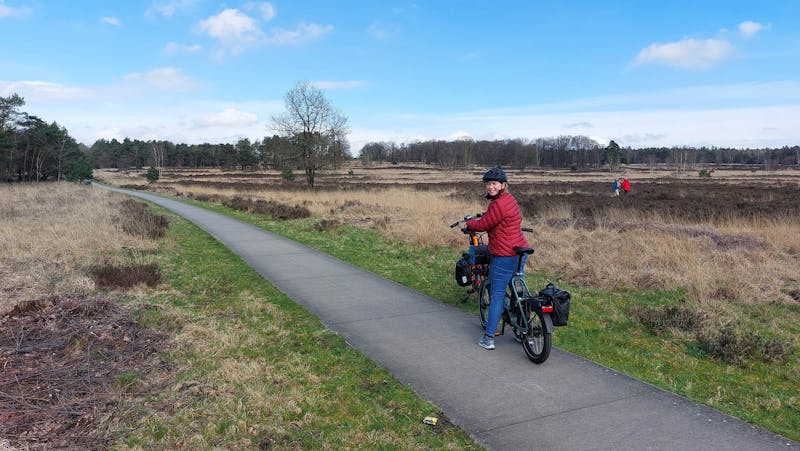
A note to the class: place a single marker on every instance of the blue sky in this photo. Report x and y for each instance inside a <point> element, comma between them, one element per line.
<point>724,73</point>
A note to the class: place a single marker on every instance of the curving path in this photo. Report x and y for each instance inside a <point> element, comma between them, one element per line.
<point>499,397</point>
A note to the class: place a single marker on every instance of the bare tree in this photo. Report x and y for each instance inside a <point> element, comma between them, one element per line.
<point>315,128</point>
<point>158,156</point>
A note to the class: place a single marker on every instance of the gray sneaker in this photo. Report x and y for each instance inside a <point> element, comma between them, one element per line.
<point>486,342</point>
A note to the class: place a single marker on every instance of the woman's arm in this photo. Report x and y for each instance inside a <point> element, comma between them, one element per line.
<point>491,218</point>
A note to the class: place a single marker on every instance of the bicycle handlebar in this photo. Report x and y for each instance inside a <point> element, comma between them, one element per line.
<point>466,218</point>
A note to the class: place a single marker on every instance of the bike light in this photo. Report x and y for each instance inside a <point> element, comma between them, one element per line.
<point>547,309</point>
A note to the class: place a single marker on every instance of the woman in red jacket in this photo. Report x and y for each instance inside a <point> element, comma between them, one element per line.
<point>503,223</point>
<point>626,185</point>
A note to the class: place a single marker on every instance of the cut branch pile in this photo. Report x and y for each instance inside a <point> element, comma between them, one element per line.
<point>65,364</point>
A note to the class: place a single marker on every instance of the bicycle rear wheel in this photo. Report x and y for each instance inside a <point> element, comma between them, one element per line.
<point>537,341</point>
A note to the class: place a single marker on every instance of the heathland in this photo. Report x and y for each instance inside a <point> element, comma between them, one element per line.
<point>689,282</point>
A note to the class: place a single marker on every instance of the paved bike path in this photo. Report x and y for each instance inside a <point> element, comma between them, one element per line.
<point>499,397</point>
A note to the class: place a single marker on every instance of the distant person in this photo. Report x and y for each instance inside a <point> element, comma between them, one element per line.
<point>503,223</point>
<point>626,185</point>
<point>615,187</point>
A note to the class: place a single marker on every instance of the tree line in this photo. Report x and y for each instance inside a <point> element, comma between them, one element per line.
<point>33,150</point>
<point>312,135</point>
<point>569,152</point>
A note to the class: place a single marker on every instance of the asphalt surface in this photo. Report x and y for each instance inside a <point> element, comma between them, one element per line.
<point>499,397</point>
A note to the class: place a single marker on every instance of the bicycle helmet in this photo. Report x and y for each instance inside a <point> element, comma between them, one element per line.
<point>495,174</point>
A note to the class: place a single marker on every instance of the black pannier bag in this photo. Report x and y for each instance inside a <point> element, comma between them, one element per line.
<point>560,300</point>
<point>463,272</point>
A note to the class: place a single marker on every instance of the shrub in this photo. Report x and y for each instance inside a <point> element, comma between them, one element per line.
<point>736,345</point>
<point>111,276</point>
<point>287,174</point>
<point>658,320</point>
<point>327,224</point>
<point>152,174</point>
<point>705,173</point>
<point>137,220</point>
<point>267,207</point>
<point>79,169</point>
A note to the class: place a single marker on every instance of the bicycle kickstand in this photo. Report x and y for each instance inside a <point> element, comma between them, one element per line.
<point>466,296</point>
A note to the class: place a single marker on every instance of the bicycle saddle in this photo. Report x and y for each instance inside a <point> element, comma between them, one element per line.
<point>523,250</point>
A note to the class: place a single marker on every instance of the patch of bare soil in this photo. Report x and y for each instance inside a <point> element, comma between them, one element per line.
<point>65,365</point>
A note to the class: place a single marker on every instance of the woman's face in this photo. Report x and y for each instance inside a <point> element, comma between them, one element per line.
<point>493,187</point>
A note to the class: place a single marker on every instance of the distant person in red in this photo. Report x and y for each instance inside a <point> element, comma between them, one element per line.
<point>626,185</point>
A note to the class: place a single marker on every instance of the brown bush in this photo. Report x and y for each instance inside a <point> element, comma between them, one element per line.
<point>737,345</point>
<point>270,208</point>
<point>112,277</point>
<point>134,187</point>
<point>137,220</point>
<point>327,224</point>
<point>659,320</point>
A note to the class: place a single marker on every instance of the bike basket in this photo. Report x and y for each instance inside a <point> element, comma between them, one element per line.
<point>479,254</point>
<point>560,300</point>
<point>463,273</point>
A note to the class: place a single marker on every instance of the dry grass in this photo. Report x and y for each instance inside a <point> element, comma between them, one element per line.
<point>49,235</point>
<point>729,259</point>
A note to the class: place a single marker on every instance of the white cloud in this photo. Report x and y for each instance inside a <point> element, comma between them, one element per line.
<point>10,11</point>
<point>111,20</point>
<point>303,33</point>
<point>173,47</point>
<point>44,91</point>
<point>687,53</point>
<point>459,135</point>
<point>342,84</point>
<point>380,31</point>
<point>265,9</point>
<point>229,117</point>
<point>165,78</point>
<point>575,125</point>
<point>748,29</point>
<point>168,8</point>
<point>234,30</point>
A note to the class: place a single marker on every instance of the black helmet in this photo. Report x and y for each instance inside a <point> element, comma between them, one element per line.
<point>495,174</point>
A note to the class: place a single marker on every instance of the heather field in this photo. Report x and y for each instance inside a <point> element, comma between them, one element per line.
<point>731,237</point>
<point>689,282</point>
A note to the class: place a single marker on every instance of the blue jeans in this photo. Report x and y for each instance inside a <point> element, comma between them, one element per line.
<point>500,274</point>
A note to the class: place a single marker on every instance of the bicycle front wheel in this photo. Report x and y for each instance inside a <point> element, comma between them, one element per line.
<point>483,302</point>
<point>537,341</point>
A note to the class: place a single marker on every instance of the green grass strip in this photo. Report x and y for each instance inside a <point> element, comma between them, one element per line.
<point>252,369</point>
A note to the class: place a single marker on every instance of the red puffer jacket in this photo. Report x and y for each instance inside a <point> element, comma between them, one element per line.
<point>503,223</point>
